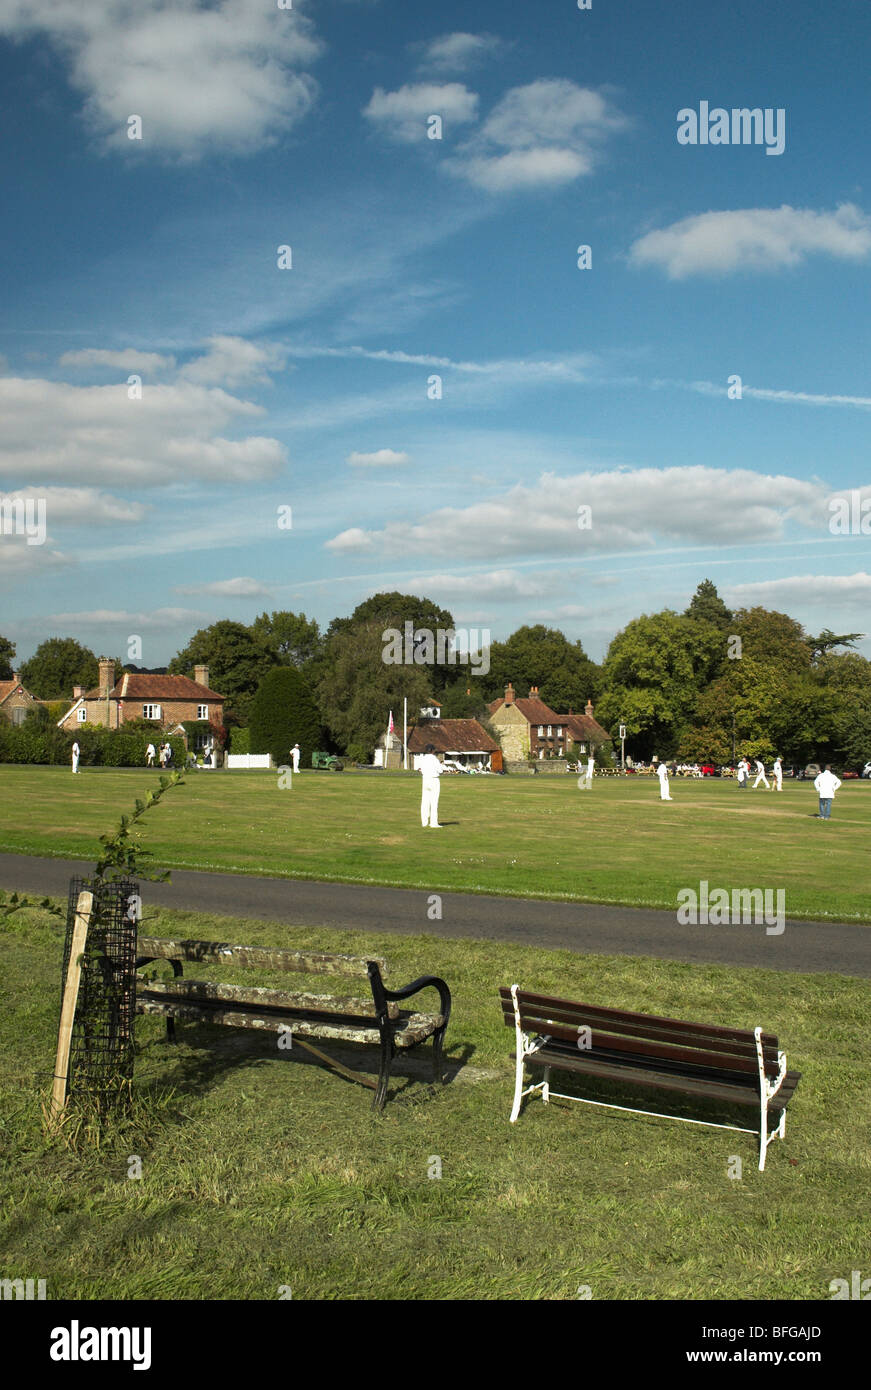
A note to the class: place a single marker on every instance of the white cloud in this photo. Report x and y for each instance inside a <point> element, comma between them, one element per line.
<point>81,506</point>
<point>630,510</point>
<point>544,134</point>
<point>129,360</point>
<point>457,52</point>
<point>123,621</point>
<point>96,434</point>
<point>353,539</point>
<point>382,458</point>
<point>226,588</point>
<point>402,115</point>
<point>218,77</point>
<point>713,243</point>
<point>808,589</point>
<point>233,362</point>
<point>499,586</point>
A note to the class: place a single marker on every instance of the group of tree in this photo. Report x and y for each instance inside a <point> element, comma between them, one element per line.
<point>707,683</point>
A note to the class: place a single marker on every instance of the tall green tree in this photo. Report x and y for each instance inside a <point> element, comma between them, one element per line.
<point>653,674</point>
<point>7,657</point>
<point>545,657</point>
<point>358,689</point>
<point>237,661</point>
<point>294,638</point>
<point>56,666</point>
<point>706,606</point>
<point>282,713</point>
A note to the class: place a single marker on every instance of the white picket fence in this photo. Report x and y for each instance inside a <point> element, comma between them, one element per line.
<point>250,760</point>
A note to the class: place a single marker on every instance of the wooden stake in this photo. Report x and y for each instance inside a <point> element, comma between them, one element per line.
<point>84,907</point>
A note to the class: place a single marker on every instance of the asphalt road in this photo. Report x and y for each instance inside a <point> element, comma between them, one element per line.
<point>813,947</point>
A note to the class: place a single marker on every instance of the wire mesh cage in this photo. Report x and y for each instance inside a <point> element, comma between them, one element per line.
<point>101,1050</point>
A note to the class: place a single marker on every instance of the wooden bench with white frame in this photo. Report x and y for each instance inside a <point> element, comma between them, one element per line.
<point>732,1066</point>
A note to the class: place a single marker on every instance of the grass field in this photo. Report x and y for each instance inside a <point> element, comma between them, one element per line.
<point>261,1170</point>
<point>537,837</point>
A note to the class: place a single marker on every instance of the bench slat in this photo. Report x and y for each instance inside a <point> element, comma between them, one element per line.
<point>194,990</point>
<point>272,958</point>
<point>621,1015</point>
<point>409,1029</point>
<point>734,1092</point>
<point>660,1051</point>
<point>538,1018</point>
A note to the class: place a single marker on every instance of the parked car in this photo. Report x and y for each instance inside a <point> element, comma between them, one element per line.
<point>708,770</point>
<point>846,775</point>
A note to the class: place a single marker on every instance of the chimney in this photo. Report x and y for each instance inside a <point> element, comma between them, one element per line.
<point>201,675</point>
<point>588,709</point>
<point>509,694</point>
<point>107,674</point>
<point>78,692</point>
<point>533,692</point>
<point>15,677</point>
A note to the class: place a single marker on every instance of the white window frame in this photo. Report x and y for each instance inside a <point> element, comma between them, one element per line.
<point>202,711</point>
<point>82,714</point>
<point>151,712</point>
<point>550,731</point>
<point>541,731</point>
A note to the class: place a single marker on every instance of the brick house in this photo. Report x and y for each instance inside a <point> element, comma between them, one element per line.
<point>16,702</point>
<point>168,700</point>
<point>530,726</point>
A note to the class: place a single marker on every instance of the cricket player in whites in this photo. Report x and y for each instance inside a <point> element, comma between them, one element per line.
<point>760,775</point>
<point>777,774</point>
<point>664,791</point>
<point>431,770</point>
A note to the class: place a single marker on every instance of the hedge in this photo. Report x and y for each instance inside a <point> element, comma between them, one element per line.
<point>97,747</point>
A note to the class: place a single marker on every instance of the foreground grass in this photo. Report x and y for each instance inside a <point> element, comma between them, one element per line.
<point>261,1170</point>
<point>536,837</point>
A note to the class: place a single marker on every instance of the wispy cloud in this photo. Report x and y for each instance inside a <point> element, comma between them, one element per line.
<point>381,458</point>
<point>457,52</point>
<point>403,115</point>
<point>241,587</point>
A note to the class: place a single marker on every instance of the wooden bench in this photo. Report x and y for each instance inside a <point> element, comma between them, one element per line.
<point>376,1020</point>
<point>733,1066</point>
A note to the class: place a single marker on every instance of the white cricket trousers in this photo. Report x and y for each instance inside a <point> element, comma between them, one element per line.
<point>664,793</point>
<point>429,801</point>
<point>761,778</point>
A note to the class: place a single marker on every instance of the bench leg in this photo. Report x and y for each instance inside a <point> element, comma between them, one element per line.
<point>545,1090</point>
<point>384,1075</point>
<point>438,1073</point>
<point>177,971</point>
<point>518,1083</point>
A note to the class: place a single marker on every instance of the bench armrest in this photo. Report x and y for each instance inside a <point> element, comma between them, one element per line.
<point>425,982</point>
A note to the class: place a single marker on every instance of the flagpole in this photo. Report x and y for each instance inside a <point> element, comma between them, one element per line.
<point>405,732</point>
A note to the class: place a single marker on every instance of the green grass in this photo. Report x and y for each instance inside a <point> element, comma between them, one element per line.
<point>261,1169</point>
<point>536,837</point>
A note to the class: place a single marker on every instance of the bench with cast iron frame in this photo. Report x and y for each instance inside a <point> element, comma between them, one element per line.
<point>732,1066</point>
<point>376,1020</point>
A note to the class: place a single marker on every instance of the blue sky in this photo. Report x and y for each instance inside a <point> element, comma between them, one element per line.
<point>307,387</point>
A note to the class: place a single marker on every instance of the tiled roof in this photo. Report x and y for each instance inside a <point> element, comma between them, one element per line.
<point>451,736</point>
<point>534,711</point>
<point>166,688</point>
<point>583,727</point>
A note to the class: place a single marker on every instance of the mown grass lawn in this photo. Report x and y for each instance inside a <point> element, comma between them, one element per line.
<point>537,837</point>
<point>261,1169</point>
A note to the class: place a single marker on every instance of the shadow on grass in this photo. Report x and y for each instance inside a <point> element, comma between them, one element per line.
<point>199,1060</point>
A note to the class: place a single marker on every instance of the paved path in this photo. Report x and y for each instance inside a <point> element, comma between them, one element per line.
<point>842,948</point>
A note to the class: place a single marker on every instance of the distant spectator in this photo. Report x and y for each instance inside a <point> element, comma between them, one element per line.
<point>150,755</point>
<point>76,757</point>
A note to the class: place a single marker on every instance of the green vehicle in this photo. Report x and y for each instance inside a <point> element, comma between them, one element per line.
<point>327,761</point>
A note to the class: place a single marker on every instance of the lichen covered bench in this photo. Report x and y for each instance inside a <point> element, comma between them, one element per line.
<point>295,1016</point>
